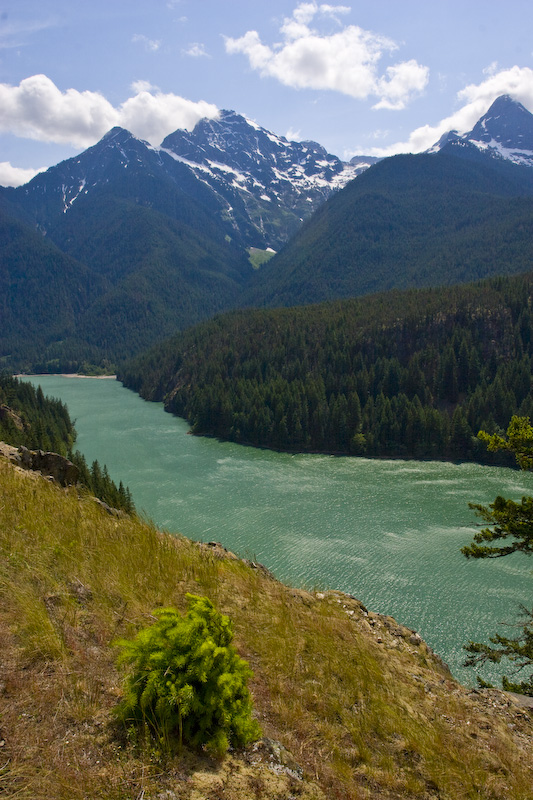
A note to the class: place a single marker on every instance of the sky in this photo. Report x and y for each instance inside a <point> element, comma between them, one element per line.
<point>372,78</point>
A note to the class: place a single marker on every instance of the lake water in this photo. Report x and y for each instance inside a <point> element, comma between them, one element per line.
<point>388,532</point>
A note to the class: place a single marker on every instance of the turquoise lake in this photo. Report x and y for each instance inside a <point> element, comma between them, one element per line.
<point>388,532</point>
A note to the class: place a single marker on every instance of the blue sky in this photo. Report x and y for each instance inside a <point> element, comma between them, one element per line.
<point>360,78</point>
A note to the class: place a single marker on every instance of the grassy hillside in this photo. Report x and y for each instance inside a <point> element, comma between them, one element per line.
<point>362,707</point>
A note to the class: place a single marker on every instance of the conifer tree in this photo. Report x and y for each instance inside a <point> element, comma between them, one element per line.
<point>510,531</point>
<point>187,682</point>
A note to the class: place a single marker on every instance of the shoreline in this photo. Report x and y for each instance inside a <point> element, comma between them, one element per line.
<point>65,375</point>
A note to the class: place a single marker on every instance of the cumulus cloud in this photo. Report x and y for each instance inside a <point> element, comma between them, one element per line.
<point>475,100</point>
<point>16,176</point>
<point>346,61</point>
<point>153,116</point>
<point>37,109</point>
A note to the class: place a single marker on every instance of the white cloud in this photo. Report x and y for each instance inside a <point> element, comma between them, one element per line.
<point>399,82</point>
<point>154,116</point>
<point>346,61</point>
<point>143,86</point>
<point>293,136</point>
<point>152,45</point>
<point>476,100</point>
<point>16,176</point>
<point>196,50</point>
<point>37,109</point>
<point>492,68</point>
<point>334,10</point>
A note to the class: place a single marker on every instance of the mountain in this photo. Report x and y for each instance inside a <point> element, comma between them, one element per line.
<point>145,240</point>
<point>280,182</point>
<point>162,234</point>
<point>431,219</point>
<point>152,239</point>
<point>256,185</point>
<point>504,132</point>
<point>123,166</point>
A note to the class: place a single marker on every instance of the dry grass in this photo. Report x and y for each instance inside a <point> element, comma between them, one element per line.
<point>362,710</point>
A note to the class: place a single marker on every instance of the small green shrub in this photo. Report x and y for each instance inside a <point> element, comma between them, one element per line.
<point>187,682</point>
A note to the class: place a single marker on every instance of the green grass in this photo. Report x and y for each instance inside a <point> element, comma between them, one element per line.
<point>364,718</point>
<point>259,257</point>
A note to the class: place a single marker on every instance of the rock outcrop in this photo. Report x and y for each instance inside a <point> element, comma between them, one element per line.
<point>51,465</point>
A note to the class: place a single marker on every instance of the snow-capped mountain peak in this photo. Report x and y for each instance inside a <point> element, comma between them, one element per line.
<point>245,147</point>
<point>262,185</point>
<point>505,131</point>
<point>272,175</point>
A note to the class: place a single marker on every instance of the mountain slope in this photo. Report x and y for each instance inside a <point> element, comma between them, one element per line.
<point>280,182</point>
<point>424,220</point>
<point>43,292</point>
<point>154,238</point>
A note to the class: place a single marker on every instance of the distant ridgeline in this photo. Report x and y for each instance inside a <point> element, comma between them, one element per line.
<point>30,419</point>
<point>111,251</point>
<point>400,374</point>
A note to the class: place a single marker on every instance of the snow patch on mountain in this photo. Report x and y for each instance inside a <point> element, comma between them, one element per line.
<point>524,157</point>
<point>262,184</point>
<point>505,131</point>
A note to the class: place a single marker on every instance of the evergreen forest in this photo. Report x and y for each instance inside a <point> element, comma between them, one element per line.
<point>407,374</point>
<point>29,419</point>
<point>410,221</point>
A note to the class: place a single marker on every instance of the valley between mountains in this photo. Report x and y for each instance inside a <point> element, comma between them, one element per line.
<point>111,251</point>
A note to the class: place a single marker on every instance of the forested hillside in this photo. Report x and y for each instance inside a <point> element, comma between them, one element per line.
<point>29,419</point>
<point>408,221</point>
<point>43,292</point>
<point>398,374</point>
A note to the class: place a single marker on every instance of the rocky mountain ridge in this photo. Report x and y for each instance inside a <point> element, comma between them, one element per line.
<point>272,175</point>
<point>259,185</point>
<point>504,132</point>
<point>108,252</point>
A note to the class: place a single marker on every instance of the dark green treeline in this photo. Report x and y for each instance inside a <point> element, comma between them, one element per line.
<point>37,422</point>
<point>410,374</point>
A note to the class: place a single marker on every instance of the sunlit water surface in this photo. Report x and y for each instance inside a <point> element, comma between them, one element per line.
<point>388,532</point>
